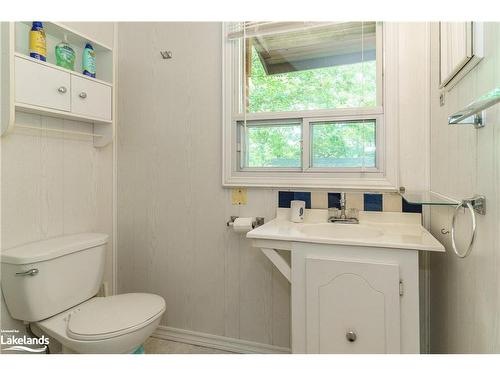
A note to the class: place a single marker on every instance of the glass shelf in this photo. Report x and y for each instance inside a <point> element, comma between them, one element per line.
<point>471,115</point>
<point>427,198</point>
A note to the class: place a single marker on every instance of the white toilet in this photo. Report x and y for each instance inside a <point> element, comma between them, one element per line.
<point>53,283</point>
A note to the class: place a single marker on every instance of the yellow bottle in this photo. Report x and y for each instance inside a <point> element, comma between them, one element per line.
<point>38,44</point>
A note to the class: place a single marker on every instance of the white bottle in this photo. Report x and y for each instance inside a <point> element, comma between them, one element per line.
<point>297,209</point>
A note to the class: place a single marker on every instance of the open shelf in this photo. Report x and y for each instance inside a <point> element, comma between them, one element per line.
<point>471,115</point>
<point>427,198</point>
<point>54,34</point>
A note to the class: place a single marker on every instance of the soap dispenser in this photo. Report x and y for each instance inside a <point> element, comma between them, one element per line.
<point>65,55</point>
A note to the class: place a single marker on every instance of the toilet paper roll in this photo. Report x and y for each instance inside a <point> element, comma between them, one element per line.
<point>243,224</point>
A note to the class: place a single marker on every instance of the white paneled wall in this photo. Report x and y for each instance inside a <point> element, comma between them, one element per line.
<point>53,184</point>
<point>172,209</point>
<point>465,297</point>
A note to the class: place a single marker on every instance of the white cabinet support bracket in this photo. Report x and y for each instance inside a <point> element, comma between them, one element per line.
<point>280,263</point>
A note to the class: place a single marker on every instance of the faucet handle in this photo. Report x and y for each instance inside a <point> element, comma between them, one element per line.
<point>353,213</point>
<point>333,212</point>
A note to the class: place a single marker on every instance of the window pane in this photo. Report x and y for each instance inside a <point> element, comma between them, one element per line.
<point>272,145</point>
<point>323,67</point>
<point>350,144</point>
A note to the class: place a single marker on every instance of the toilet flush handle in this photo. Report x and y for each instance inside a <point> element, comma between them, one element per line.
<point>31,272</point>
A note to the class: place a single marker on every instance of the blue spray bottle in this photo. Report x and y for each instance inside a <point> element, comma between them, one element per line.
<point>88,63</point>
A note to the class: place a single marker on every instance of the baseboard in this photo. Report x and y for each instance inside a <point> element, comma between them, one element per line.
<point>217,342</point>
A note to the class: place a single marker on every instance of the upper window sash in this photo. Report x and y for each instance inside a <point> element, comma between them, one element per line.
<point>239,66</point>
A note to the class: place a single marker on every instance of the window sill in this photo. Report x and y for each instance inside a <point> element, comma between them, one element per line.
<point>368,183</point>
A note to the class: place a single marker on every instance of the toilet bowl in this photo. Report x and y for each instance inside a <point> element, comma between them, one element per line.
<point>53,284</point>
<point>115,324</point>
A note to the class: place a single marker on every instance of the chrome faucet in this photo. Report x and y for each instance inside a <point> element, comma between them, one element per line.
<point>342,206</point>
<point>343,218</point>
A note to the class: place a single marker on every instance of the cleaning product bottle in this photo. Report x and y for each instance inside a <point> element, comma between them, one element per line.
<point>88,63</point>
<point>65,55</point>
<point>38,44</point>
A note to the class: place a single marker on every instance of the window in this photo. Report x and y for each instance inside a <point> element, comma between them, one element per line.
<point>271,144</point>
<point>303,100</point>
<point>343,144</point>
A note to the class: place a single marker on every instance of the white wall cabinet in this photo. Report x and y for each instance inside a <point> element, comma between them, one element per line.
<point>91,99</point>
<point>351,306</point>
<point>43,88</point>
<point>460,49</point>
<point>41,85</point>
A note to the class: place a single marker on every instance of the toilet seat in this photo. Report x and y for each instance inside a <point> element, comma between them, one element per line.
<point>105,317</point>
<point>115,324</point>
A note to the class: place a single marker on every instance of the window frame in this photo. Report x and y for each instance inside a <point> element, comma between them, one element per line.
<point>356,178</point>
<point>306,145</point>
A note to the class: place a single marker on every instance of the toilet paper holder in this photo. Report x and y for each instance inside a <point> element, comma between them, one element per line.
<point>255,223</point>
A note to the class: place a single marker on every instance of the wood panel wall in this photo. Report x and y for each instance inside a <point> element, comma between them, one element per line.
<point>465,297</point>
<point>172,209</point>
<point>54,184</point>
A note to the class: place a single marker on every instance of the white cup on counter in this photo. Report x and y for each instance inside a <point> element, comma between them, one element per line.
<point>297,209</point>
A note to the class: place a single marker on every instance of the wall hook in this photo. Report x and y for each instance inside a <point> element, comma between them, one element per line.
<point>166,54</point>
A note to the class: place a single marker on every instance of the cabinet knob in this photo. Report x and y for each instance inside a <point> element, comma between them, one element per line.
<point>62,90</point>
<point>351,336</point>
<point>82,95</point>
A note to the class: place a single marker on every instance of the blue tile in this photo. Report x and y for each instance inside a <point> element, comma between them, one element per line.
<point>284,198</point>
<point>302,196</point>
<point>373,202</point>
<point>410,207</point>
<point>334,200</point>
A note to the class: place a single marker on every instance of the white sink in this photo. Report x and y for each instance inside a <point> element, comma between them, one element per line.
<point>375,229</point>
<point>344,231</point>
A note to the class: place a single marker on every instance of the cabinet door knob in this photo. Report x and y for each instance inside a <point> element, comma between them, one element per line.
<point>351,336</point>
<point>62,90</point>
<point>82,95</point>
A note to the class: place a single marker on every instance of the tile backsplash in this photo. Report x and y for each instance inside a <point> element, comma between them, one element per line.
<point>389,202</point>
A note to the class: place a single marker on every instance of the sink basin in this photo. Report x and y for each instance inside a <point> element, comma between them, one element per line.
<point>331,230</point>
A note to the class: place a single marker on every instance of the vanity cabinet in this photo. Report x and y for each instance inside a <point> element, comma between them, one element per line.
<point>351,306</point>
<point>352,299</point>
<point>354,287</point>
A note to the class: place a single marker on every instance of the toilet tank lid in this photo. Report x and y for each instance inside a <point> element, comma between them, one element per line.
<point>40,251</point>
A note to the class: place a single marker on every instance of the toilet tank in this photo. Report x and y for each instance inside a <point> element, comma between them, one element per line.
<point>44,278</point>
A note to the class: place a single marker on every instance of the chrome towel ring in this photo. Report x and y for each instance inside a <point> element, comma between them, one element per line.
<point>476,204</point>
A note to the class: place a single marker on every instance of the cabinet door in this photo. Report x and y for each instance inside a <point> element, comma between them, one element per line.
<point>40,85</point>
<point>352,307</point>
<point>455,48</point>
<point>90,98</point>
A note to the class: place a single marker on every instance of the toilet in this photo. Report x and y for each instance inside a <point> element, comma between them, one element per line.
<point>53,285</point>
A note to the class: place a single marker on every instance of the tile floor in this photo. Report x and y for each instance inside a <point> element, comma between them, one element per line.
<point>159,346</point>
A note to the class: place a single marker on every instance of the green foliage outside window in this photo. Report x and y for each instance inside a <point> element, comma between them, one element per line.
<point>345,86</point>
